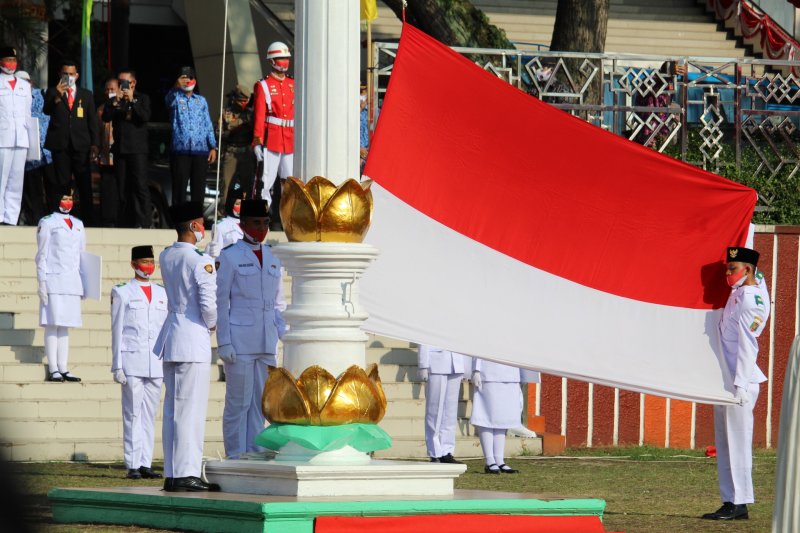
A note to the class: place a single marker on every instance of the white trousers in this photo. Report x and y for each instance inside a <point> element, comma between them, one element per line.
<point>275,163</point>
<point>733,435</point>
<point>12,173</point>
<point>242,419</point>
<point>184,422</point>
<point>140,397</point>
<point>56,348</point>
<point>441,410</point>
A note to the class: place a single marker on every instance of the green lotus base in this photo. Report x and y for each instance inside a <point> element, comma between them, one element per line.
<point>243,513</point>
<point>363,437</point>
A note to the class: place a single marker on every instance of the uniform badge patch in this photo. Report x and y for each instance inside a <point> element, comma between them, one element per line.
<point>759,275</point>
<point>759,301</point>
<point>209,269</point>
<point>756,323</point>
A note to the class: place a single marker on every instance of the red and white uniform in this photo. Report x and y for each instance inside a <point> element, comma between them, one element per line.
<point>274,126</point>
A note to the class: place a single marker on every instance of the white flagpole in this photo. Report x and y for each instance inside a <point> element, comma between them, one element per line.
<point>221,109</point>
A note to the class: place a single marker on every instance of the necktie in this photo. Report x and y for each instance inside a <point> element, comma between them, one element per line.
<point>258,254</point>
<point>13,83</point>
<point>69,222</point>
<point>70,98</point>
<point>148,291</point>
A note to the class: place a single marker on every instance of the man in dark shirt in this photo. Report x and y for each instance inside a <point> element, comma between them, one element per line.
<point>129,112</point>
<point>73,137</point>
<point>238,159</point>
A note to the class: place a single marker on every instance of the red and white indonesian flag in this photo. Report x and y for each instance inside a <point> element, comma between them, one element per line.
<point>512,231</point>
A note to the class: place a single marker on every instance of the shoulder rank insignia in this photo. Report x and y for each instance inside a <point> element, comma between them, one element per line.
<point>209,269</point>
<point>759,301</point>
<point>121,284</point>
<point>198,251</point>
<point>759,275</point>
<point>47,216</point>
<point>160,285</point>
<point>231,244</point>
<point>756,323</point>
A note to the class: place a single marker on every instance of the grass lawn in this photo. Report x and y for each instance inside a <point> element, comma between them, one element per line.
<point>647,490</point>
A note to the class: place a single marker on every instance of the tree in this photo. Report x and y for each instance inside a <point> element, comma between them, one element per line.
<point>453,22</point>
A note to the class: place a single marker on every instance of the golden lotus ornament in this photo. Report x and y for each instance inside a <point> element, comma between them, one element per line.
<point>316,398</point>
<point>319,211</point>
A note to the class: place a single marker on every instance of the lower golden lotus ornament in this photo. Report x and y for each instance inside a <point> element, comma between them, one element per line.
<point>319,211</point>
<point>316,398</point>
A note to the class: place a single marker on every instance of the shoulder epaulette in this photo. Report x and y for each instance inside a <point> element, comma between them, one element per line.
<point>759,275</point>
<point>231,244</point>
<point>47,216</point>
<point>198,252</point>
<point>160,285</point>
<point>121,284</point>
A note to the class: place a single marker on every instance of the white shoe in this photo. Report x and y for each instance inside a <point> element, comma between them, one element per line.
<point>522,431</point>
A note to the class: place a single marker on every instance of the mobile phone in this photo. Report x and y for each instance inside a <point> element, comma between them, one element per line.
<point>125,84</point>
<point>65,79</point>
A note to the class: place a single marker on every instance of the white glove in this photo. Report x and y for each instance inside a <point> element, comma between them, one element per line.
<point>226,353</point>
<point>522,431</point>
<point>259,151</point>
<point>119,377</point>
<point>423,374</point>
<point>741,396</point>
<point>43,292</point>
<point>476,380</point>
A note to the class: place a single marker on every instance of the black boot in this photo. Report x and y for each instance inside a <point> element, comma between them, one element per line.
<point>728,511</point>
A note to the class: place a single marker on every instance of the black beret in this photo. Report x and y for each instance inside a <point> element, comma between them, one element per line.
<point>742,255</point>
<point>186,211</point>
<point>142,252</point>
<point>186,71</point>
<point>8,51</point>
<point>254,208</point>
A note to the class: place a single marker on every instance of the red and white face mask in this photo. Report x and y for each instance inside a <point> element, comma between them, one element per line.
<point>189,86</point>
<point>145,270</point>
<point>65,206</point>
<point>736,280</point>
<point>256,236</point>
<point>237,208</point>
<point>281,65</point>
<point>9,66</point>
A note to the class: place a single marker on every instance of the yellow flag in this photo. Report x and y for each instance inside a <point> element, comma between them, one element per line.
<point>369,11</point>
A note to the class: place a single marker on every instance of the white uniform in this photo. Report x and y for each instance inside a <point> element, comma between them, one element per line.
<point>58,270</point>
<point>185,345</point>
<point>15,111</point>
<point>445,371</point>
<point>224,233</point>
<point>743,319</point>
<point>135,325</point>
<point>250,302</point>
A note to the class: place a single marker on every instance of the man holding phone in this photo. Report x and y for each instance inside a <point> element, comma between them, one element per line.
<point>129,112</point>
<point>73,137</point>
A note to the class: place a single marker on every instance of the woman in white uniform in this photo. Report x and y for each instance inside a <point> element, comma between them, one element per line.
<point>227,231</point>
<point>61,238</point>
<point>496,408</point>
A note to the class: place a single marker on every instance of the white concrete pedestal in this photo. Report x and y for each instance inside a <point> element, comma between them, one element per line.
<point>377,478</point>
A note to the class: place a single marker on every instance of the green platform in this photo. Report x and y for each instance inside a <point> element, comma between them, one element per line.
<point>244,513</point>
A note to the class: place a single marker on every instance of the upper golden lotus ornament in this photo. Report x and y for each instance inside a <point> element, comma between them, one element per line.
<point>321,211</point>
<point>316,398</point>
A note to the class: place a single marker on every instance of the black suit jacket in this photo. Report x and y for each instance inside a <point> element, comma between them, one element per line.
<point>129,120</point>
<point>67,127</point>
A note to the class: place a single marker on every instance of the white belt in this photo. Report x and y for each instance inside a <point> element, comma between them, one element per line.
<point>280,122</point>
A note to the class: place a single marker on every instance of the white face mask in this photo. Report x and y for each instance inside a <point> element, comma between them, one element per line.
<point>198,235</point>
<point>71,80</point>
<point>8,71</point>
<point>112,94</point>
<point>141,273</point>
<point>363,97</point>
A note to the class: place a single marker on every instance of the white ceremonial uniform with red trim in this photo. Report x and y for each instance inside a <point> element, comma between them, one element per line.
<point>250,303</point>
<point>184,344</point>
<point>224,233</point>
<point>273,112</point>
<point>743,319</point>
<point>135,326</point>
<point>15,111</point>
<point>61,238</point>
<point>445,371</point>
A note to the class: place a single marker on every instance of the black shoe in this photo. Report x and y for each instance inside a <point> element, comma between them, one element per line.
<point>505,469</point>
<point>168,484</point>
<point>490,470</point>
<point>55,376</point>
<point>149,473</point>
<point>70,377</point>
<point>133,474</point>
<point>434,459</point>
<point>190,484</point>
<point>449,459</point>
<point>728,511</point>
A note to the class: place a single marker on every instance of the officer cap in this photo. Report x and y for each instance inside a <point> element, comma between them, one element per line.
<point>186,71</point>
<point>8,51</point>
<point>142,252</point>
<point>186,211</point>
<point>742,255</point>
<point>254,208</point>
<point>241,92</point>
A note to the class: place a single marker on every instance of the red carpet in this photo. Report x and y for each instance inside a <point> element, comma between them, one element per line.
<point>460,524</point>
